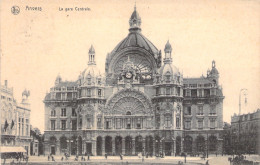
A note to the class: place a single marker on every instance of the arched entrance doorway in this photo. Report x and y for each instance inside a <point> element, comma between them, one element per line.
<point>200,144</point>
<point>128,145</point>
<point>63,144</point>
<point>178,145</point>
<point>118,145</point>
<point>53,145</point>
<point>80,145</point>
<point>149,145</point>
<point>138,144</point>
<point>188,144</point>
<point>108,145</point>
<point>213,143</point>
<point>99,146</point>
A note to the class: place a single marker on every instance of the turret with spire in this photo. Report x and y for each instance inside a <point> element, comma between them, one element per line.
<point>168,53</point>
<point>91,54</point>
<point>135,21</point>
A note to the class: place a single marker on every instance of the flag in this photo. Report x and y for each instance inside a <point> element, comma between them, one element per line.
<point>6,125</point>
<point>12,124</point>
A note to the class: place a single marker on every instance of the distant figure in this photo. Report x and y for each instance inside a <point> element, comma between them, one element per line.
<point>216,154</point>
<point>52,157</point>
<point>88,157</point>
<point>48,157</point>
<point>62,158</point>
<point>106,155</point>
<point>207,162</point>
<point>82,158</point>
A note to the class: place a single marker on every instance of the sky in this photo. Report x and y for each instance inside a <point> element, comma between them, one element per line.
<point>36,46</point>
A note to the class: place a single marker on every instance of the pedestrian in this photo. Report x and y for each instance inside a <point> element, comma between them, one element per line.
<point>207,162</point>
<point>52,157</point>
<point>48,157</point>
<point>106,155</point>
<point>88,157</point>
<point>62,158</point>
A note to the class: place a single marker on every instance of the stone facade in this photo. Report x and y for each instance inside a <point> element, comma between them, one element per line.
<point>15,119</point>
<point>141,105</point>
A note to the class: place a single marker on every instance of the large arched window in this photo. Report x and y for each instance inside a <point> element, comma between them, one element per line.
<point>212,143</point>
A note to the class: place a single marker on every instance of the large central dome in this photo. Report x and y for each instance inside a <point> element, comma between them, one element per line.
<point>136,39</point>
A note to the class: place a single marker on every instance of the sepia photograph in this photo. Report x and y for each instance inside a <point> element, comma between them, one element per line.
<point>130,82</point>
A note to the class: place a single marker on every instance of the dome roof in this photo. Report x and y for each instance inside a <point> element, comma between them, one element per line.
<point>91,71</point>
<point>169,69</point>
<point>136,39</point>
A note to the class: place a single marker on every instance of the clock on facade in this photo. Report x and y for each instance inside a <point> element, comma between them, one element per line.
<point>128,75</point>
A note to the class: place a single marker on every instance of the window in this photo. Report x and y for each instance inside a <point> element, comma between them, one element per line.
<point>200,124</point>
<point>27,127</point>
<point>200,110</point>
<point>118,123</point>
<point>193,93</point>
<point>99,123</point>
<point>63,111</point>
<point>168,91</point>
<point>22,126</point>
<point>99,81</point>
<point>52,124</point>
<point>89,81</point>
<point>200,92</point>
<point>63,124</point>
<point>53,113</point>
<point>99,92</point>
<point>157,91</point>
<point>80,122</point>
<point>88,123</point>
<point>212,110</point>
<point>177,122</point>
<point>188,111</point>
<point>88,92</point>
<point>19,126</point>
<point>188,93</point>
<point>74,124</point>
<point>128,124</point>
<point>74,112</point>
<point>187,124</point>
<point>108,123</point>
<point>138,123</point>
<point>179,91</point>
<point>212,124</point>
<point>168,121</point>
<point>63,96</point>
<point>168,79</point>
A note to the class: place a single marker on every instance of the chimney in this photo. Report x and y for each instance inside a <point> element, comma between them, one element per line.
<point>6,82</point>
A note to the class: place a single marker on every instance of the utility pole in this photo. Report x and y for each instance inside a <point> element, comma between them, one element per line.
<point>239,121</point>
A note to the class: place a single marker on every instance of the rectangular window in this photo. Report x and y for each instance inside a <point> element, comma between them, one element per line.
<point>108,123</point>
<point>212,124</point>
<point>188,111</point>
<point>99,92</point>
<point>19,126</point>
<point>27,127</point>
<point>63,111</point>
<point>212,110</point>
<point>52,124</point>
<point>74,124</point>
<point>99,123</point>
<point>89,81</point>
<point>74,112</point>
<point>88,92</point>
<point>118,123</point>
<point>168,80</point>
<point>168,121</point>
<point>88,123</point>
<point>157,91</point>
<point>187,124</point>
<point>200,124</point>
<point>188,93</point>
<point>22,126</point>
<point>194,93</point>
<point>138,123</point>
<point>168,91</point>
<point>63,124</point>
<point>177,122</point>
<point>128,124</point>
<point>200,92</point>
<point>99,81</point>
<point>200,110</point>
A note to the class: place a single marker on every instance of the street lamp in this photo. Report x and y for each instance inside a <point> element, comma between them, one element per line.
<point>244,90</point>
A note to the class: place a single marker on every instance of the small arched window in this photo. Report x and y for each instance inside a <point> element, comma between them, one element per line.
<point>53,113</point>
<point>128,113</point>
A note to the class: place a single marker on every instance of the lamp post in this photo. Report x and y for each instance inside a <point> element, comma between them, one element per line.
<point>239,122</point>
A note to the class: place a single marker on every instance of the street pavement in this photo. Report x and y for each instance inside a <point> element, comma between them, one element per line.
<point>213,160</point>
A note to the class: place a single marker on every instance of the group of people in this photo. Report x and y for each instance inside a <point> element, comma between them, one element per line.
<point>51,157</point>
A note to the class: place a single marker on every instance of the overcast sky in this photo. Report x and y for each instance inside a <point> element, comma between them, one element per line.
<point>36,46</point>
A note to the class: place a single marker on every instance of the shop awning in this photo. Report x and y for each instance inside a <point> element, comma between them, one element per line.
<point>8,149</point>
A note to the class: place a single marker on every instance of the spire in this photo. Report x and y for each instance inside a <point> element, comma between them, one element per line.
<point>168,53</point>
<point>135,21</point>
<point>91,55</point>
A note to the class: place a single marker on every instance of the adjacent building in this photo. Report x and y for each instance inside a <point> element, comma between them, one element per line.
<point>245,133</point>
<point>15,120</point>
<point>141,105</point>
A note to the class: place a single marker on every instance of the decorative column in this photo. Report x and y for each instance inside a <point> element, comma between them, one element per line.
<point>123,146</point>
<point>173,152</point>
<point>103,146</point>
<point>113,145</point>
<point>94,152</point>
<point>174,147</point>
<point>133,146</point>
